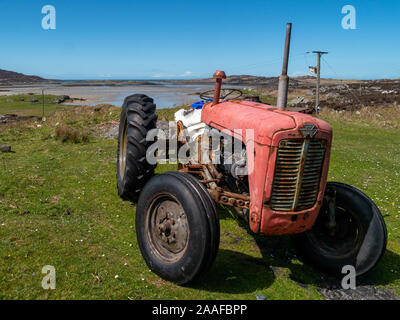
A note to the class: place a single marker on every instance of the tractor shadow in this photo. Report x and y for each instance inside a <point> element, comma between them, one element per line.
<point>280,254</point>
<point>236,272</point>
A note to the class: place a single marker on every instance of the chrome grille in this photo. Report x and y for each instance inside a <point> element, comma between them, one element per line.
<point>297,174</point>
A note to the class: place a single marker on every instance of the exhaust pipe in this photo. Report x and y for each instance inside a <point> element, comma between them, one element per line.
<point>284,79</point>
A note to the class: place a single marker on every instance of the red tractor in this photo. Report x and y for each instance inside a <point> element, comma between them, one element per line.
<point>276,179</point>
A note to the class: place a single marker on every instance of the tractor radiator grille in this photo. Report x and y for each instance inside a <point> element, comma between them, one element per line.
<point>297,174</point>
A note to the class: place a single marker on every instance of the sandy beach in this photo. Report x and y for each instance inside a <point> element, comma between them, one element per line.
<point>165,95</point>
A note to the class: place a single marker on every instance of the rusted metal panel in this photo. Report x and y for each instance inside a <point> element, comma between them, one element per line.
<point>271,126</point>
<point>289,222</point>
<point>230,115</point>
<point>297,174</point>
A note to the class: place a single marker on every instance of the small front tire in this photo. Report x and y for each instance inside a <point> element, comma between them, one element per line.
<point>359,238</point>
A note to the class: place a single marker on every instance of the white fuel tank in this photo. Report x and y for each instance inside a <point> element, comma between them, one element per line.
<point>191,120</point>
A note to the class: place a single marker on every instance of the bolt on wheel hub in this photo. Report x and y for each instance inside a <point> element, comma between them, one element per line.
<point>170,231</point>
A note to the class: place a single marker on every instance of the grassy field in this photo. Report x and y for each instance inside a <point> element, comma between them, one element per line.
<point>59,206</point>
<point>22,105</point>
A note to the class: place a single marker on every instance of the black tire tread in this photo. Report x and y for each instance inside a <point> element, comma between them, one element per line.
<point>212,215</point>
<point>139,112</point>
<point>205,210</point>
<point>305,249</point>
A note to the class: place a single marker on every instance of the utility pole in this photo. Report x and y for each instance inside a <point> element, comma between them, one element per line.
<point>43,118</point>
<point>284,79</point>
<point>319,54</point>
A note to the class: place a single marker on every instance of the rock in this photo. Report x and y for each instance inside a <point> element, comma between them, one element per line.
<point>62,99</point>
<point>112,133</point>
<point>331,95</point>
<point>298,100</point>
<point>260,297</point>
<point>5,118</point>
<point>4,148</point>
<point>340,87</point>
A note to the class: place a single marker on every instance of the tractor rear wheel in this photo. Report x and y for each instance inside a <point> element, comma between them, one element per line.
<point>177,227</point>
<point>133,171</point>
<point>358,239</point>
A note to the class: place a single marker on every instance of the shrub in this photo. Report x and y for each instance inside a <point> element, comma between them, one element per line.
<point>66,133</point>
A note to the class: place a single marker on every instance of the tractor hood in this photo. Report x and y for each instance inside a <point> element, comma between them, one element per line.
<point>264,119</point>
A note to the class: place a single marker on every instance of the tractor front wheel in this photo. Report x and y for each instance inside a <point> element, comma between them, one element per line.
<point>357,237</point>
<point>177,227</point>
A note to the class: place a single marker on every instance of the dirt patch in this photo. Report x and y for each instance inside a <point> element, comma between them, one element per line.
<point>108,130</point>
<point>10,118</point>
<point>362,292</point>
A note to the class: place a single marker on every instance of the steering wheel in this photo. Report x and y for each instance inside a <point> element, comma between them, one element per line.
<point>226,94</point>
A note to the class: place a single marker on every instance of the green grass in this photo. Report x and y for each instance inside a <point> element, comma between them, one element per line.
<point>59,206</point>
<point>22,105</point>
<point>168,113</point>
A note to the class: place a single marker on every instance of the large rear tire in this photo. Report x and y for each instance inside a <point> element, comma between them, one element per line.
<point>133,171</point>
<point>177,227</point>
<point>359,238</point>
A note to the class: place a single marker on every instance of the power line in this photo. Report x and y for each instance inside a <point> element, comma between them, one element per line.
<point>347,87</point>
<point>273,61</point>
<point>306,60</point>
<point>257,64</point>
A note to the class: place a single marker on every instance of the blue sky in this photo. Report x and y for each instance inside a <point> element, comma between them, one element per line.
<point>160,39</point>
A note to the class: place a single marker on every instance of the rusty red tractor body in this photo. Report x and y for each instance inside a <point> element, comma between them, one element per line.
<point>279,202</point>
<point>283,189</point>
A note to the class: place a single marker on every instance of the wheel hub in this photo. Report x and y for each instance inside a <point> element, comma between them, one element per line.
<point>341,239</point>
<point>171,227</point>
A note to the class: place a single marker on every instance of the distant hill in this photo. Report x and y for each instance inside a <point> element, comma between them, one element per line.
<point>7,77</point>
<point>249,79</point>
<point>242,80</point>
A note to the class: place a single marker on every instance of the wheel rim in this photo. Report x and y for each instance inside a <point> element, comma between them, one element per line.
<point>123,148</point>
<point>341,241</point>
<point>167,228</point>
